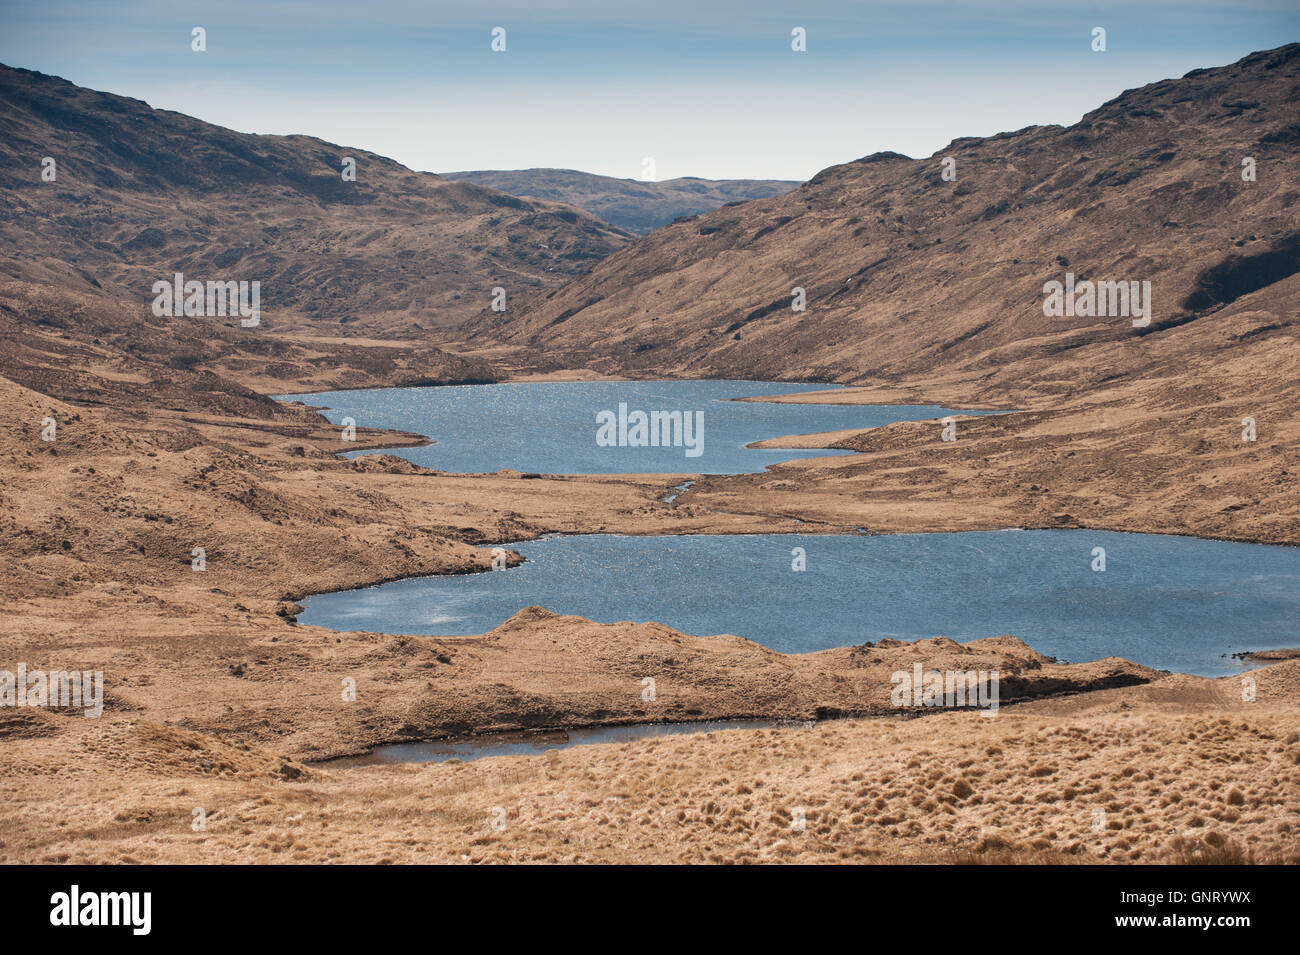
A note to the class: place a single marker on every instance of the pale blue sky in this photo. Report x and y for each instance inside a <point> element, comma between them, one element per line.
<point>707,89</point>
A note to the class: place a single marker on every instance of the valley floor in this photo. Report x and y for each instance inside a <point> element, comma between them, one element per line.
<point>217,701</point>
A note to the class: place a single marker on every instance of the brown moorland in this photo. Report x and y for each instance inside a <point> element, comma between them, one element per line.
<point>215,697</point>
<point>141,193</point>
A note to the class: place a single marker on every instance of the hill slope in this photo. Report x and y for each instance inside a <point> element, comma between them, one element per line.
<point>908,275</point>
<point>631,204</point>
<point>141,193</point>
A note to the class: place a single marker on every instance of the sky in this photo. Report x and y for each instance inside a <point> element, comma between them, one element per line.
<point>710,89</point>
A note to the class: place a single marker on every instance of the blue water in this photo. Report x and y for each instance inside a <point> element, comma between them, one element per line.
<point>1176,603</point>
<point>550,427</point>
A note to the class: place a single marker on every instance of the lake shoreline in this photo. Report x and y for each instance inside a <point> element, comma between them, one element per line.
<point>216,672</point>
<point>1174,603</point>
<point>713,678</point>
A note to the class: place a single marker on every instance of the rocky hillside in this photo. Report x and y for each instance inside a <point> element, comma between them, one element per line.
<point>910,275</point>
<point>92,350</point>
<point>630,204</point>
<point>140,193</point>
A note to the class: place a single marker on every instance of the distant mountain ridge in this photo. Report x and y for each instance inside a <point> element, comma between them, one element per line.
<point>632,204</point>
